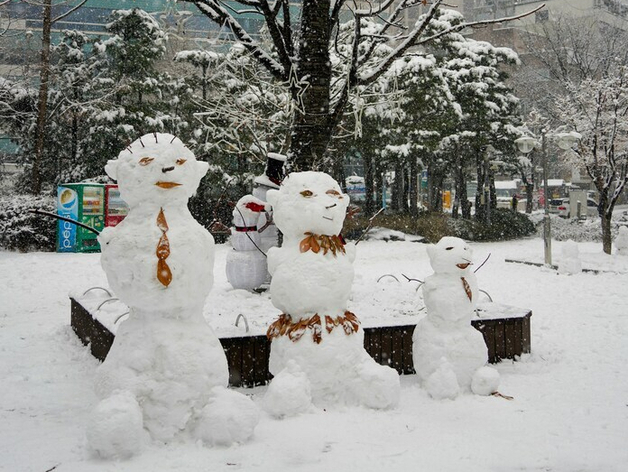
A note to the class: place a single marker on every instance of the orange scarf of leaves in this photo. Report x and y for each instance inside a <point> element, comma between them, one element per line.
<point>316,242</point>
<point>467,288</point>
<point>164,274</point>
<point>284,326</point>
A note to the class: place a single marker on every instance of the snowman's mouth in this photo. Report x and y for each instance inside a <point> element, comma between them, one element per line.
<point>162,184</point>
<point>463,265</point>
<point>330,218</point>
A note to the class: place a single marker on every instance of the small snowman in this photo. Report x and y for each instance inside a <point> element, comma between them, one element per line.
<point>449,353</point>
<point>570,262</point>
<point>166,374</point>
<point>246,263</point>
<point>621,241</point>
<point>317,348</point>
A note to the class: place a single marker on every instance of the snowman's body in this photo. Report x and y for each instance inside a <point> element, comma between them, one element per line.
<point>246,264</point>
<point>445,341</point>
<point>312,275</point>
<point>166,366</point>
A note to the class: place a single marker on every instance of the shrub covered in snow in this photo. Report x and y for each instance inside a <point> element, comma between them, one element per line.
<point>24,231</point>
<point>433,226</point>
<point>590,229</point>
<point>505,224</point>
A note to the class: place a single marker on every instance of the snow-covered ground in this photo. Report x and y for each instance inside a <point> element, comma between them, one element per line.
<point>569,412</point>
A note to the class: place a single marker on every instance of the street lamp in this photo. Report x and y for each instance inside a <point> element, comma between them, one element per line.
<point>526,144</point>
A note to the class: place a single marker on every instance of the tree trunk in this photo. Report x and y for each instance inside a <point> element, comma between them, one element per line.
<point>397,190</point>
<point>480,208</point>
<point>369,183</point>
<point>607,237</point>
<point>435,189</point>
<point>529,197</point>
<point>338,173</point>
<point>312,128</point>
<point>458,178</point>
<point>42,105</point>
<point>414,186</point>
<point>379,185</point>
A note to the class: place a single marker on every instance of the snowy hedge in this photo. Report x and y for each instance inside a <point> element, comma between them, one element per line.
<point>590,229</point>
<point>24,231</point>
<point>505,224</point>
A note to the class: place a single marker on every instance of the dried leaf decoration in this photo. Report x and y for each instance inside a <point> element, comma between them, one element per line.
<point>284,326</point>
<point>467,288</point>
<point>164,274</point>
<point>316,242</point>
<point>349,322</point>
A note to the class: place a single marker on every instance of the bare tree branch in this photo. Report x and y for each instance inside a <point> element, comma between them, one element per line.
<point>69,12</point>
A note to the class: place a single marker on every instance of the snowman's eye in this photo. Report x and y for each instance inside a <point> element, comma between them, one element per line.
<point>307,193</point>
<point>144,161</point>
<point>181,161</point>
<point>449,248</point>
<point>333,193</point>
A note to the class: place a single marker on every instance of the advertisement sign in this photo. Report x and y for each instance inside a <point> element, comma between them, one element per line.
<point>67,206</point>
<point>116,209</point>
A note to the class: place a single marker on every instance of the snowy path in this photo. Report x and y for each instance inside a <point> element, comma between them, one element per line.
<point>569,413</point>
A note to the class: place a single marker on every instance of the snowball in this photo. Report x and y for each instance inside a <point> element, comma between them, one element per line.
<point>442,383</point>
<point>308,202</point>
<point>289,394</point>
<point>379,386</point>
<point>228,418</point>
<point>485,381</point>
<point>115,427</point>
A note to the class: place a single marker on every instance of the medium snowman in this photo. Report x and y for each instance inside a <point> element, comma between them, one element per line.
<point>449,354</point>
<point>317,352</point>
<point>166,374</point>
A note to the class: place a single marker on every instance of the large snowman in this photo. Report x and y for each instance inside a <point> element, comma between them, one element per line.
<point>166,374</point>
<point>317,353</point>
<point>449,354</point>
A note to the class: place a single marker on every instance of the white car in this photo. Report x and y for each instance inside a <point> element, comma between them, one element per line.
<point>589,211</point>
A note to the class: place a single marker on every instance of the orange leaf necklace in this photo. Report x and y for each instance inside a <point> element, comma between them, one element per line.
<point>316,242</point>
<point>284,326</point>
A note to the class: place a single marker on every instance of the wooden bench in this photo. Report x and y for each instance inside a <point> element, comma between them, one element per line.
<point>506,336</point>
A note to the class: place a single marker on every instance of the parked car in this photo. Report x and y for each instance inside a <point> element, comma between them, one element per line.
<point>560,206</point>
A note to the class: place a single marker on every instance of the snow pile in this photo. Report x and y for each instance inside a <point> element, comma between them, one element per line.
<point>570,262</point>
<point>312,275</point>
<point>446,347</point>
<point>621,241</point>
<point>165,359</point>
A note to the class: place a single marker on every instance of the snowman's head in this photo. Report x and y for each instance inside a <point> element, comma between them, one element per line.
<point>156,169</point>
<point>308,202</point>
<point>450,256</point>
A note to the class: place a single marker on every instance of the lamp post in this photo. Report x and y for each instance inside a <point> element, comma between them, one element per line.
<point>526,144</point>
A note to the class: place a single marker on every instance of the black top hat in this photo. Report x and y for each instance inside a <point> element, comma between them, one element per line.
<point>273,175</point>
